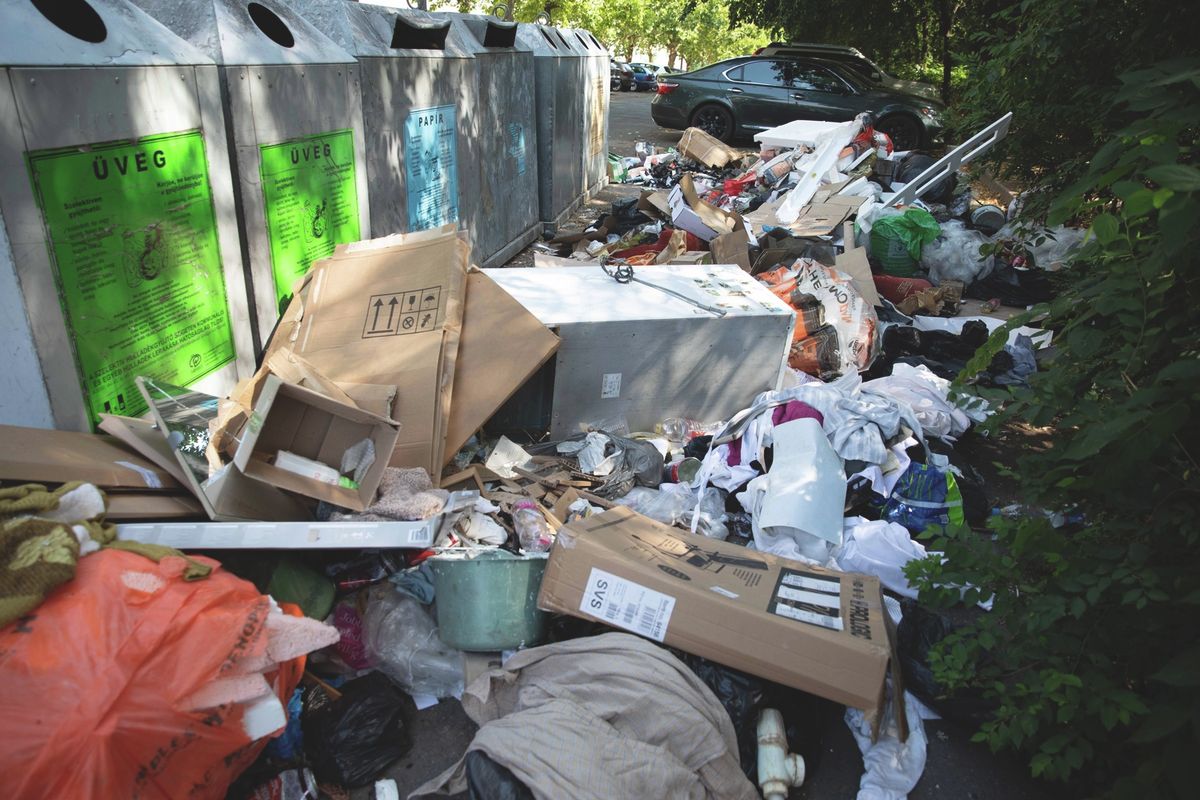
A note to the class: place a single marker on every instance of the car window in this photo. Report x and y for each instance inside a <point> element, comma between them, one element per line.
<point>815,79</point>
<point>769,73</point>
<point>735,74</point>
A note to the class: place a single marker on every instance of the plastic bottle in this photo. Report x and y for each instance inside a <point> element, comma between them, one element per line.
<point>534,532</point>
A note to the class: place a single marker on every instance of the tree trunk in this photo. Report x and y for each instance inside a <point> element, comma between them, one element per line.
<point>671,55</point>
<point>628,54</point>
<point>945,24</point>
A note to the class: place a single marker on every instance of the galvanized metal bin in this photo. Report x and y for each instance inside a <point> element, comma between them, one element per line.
<point>419,106</point>
<point>294,116</point>
<point>558,103</point>
<point>119,212</point>
<point>508,168</point>
<point>596,86</point>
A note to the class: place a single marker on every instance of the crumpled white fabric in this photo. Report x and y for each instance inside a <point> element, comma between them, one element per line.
<point>891,767</point>
<point>927,394</point>
<point>885,476</point>
<point>857,424</point>
<point>879,548</point>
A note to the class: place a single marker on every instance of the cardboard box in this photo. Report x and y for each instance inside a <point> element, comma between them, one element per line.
<point>708,150</point>
<point>695,216</point>
<point>693,257</point>
<point>814,629</point>
<point>388,311</point>
<point>301,421</point>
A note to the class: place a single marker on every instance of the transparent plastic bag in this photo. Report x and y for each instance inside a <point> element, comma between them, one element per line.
<point>402,638</point>
<point>954,255</point>
<point>673,504</point>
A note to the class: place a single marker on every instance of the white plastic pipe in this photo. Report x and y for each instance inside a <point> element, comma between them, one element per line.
<point>778,770</point>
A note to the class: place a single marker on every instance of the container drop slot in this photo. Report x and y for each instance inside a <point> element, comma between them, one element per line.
<point>406,36</point>
<point>271,25</point>
<point>500,35</point>
<point>74,17</point>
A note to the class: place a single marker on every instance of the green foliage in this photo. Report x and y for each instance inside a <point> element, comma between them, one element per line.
<point>1054,64</point>
<point>1092,649</point>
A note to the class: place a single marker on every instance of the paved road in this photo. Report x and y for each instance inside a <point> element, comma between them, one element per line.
<point>629,123</point>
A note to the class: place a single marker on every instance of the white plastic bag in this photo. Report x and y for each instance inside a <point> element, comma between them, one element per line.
<point>954,255</point>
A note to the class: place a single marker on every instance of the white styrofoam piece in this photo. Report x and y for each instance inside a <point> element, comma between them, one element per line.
<point>283,535</point>
<point>587,294</point>
<point>796,133</point>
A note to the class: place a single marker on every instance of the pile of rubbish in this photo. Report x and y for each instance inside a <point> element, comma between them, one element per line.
<point>731,421</point>
<point>805,182</point>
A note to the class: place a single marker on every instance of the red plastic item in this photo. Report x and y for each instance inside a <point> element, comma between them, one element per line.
<point>895,288</point>
<point>736,186</point>
<point>92,683</point>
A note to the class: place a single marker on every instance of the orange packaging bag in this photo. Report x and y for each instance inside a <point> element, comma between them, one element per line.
<point>93,683</point>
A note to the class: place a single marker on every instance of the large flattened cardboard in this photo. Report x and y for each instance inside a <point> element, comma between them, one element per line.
<point>501,346</point>
<point>344,322</point>
<point>814,629</point>
<point>48,456</point>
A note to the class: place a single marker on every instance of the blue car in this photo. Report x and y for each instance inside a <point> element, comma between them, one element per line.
<point>644,80</point>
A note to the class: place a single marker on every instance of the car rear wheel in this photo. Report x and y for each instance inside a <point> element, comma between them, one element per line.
<point>714,120</point>
<point>616,84</point>
<point>905,132</point>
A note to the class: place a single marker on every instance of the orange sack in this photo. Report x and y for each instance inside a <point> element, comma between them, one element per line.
<point>95,683</point>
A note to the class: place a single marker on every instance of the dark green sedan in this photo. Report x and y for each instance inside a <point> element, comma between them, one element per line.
<point>735,99</point>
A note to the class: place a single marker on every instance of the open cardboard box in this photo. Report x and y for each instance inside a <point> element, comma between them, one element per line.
<point>311,425</point>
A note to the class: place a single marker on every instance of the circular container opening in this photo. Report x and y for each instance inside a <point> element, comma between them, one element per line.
<point>562,39</point>
<point>271,25</point>
<point>582,41</point>
<point>74,17</point>
<point>548,38</point>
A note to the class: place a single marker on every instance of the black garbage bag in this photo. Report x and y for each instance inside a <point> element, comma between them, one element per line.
<point>487,780</point>
<point>350,741</point>
<point>917,633</point>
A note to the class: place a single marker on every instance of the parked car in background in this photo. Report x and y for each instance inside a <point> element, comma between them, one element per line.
<point>657,70</point>
<point>738,97</point>
<point>643,78</point>
<point>851,58</point>
<point>620,76</point>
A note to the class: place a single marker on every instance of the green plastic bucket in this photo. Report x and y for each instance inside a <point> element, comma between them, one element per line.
<point>487,600</point>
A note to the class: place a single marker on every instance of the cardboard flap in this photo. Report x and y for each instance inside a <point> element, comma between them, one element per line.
<point>854,263</point>
<point>47,456</point>
<point>695,216</point>
<point>501,346</point>
<point>389,312</point>
<point>708,150</point>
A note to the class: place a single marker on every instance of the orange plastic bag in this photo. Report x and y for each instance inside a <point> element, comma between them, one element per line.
<point>91,683</point>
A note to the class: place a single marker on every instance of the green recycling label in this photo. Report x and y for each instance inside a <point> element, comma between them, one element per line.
<point>311,201</point>
<point>133,240</point>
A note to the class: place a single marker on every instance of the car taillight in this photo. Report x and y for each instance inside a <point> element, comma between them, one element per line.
<point>667,88</point>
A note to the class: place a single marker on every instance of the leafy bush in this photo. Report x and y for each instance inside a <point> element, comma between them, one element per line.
<point>1092,649</point>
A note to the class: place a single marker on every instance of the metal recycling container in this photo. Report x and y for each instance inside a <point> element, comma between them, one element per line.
<point>505,119</point>
<point>294,116</point>
<point>596,85</point>
<point>558,103</point>
<point>419,105</point>
<point>487,599</point>
<point>122,254</point>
